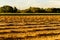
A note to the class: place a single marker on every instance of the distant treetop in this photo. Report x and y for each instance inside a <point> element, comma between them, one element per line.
<point>9,9</point>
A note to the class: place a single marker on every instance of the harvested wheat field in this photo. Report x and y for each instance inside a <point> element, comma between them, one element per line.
<point>33,27</point>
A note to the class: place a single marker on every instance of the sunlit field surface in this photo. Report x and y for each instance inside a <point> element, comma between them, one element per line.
<point>30,27</point>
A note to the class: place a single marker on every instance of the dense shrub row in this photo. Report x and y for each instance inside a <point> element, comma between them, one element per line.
<point>9,9</point>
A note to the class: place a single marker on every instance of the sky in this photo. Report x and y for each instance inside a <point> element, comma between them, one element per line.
<point>23,4</point>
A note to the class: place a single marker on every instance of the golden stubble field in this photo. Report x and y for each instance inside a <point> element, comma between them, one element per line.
<point>33,27</point>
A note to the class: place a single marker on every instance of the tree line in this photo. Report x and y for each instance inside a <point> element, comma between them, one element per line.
<point>10,9</point>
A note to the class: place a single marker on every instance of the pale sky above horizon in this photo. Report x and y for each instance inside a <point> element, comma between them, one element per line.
<point>23,4</point>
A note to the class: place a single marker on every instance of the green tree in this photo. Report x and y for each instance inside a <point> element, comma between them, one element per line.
<point>15,10</point>
<point>6,9</point>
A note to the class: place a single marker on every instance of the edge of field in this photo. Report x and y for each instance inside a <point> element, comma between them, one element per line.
<point>18,14</point>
